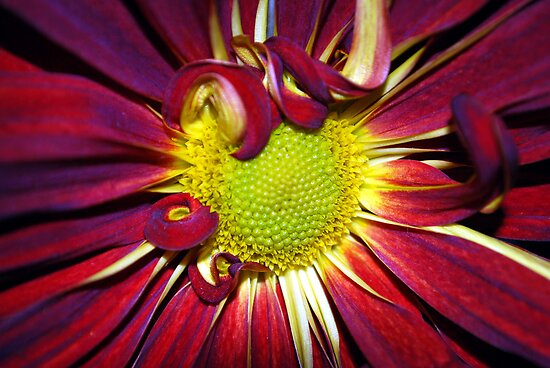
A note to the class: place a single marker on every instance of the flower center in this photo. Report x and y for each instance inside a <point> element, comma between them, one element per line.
<point>287,204</point>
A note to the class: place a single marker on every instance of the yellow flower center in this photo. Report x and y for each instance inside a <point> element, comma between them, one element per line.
<point>286,205</point>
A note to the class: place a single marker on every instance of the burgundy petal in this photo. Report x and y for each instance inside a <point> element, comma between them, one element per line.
<point>301,110</point>
<point>337,15</point>
<point>50,286</point>
<point>179,233</point>
<point>296,19</point>
<point>180,332</point>
<point>250,93</point>
<point>528,125</point>
<point>248,10</point>
<point>64,329</point>
<point>227,345</point>
<point>488,294</point>
<point>57,241</point>
<point>526,214</point>
<point>105,35</point>
<point>121,345</point>
<point>508,66</point>
<point>182,24</point>
<point>225,284</point>
<point>387,334</point>
<point>413,19</point>
<point>414,193</point>
<point>11,63</point>
<point>271,340</point>
<point>57,132</point>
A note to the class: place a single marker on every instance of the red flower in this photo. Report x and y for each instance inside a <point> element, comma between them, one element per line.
<point>274,183</point>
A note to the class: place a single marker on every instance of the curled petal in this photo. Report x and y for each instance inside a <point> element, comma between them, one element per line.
<point>368,62</point>
<point>237,94</point>
<point>179,222</point>
<point>223,284</point>
<point>414,193</point>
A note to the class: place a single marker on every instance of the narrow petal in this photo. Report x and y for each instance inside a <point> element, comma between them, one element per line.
<point>247,108</point>
<point>387,334</point>
<point>180,332</point>
<point>123,342</point>
<point>506,67</point>
<point>526,214</point>
<point>464,281</point>
<point>182,24</point>
<point>337,17</point>
<point>227,345</point>
<point>296,19</point>
<point>170,230</point>
<point>51,285</point>
<point>58,241</point>
<point>413,20</point>
<point>57,132</point>
<point>415,193</point>
<point>11,63</point>
<point>271,340</point>
<point>62,330</point>
<point>105,35</point>
<point>368,61</point>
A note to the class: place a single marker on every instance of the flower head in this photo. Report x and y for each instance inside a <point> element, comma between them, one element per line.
<point>274,183</point>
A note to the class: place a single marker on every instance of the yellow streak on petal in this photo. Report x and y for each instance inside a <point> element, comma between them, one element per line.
<point>339,261</point>
<point>216,35</point>
<point>370,141</point>
<point>370,37</point>
<point>167,188</point>
<point>395,77</point>
<point>446,55</point>
<point>260,26</point>
<point>123,263</point>
<point>333,43</point>
<point>236,25</point>
<point>298,317</point>
<point>318,302</point>
<point>524,258</point>
<point>528,260</point>
<point>253,284</point>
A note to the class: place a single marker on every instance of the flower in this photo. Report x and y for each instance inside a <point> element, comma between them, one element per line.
<point>210,195</point>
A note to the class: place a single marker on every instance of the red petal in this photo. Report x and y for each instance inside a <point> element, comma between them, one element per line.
<point>337,14</point>
<point>526,214</point>
<point>413,19</point>
<point>508,66</point>
<point>415,193</point>
<point>180,234</point>
<point>530,130</point>
<point>47,117</point>
<point>38,290</point>
<point>123,342</point>
<point>105,35</point>
<point>296,19</point>
<point>387,334</point>
<point>64,329</point>
<point>251,93</point>
<point>182,24</point>
<point>180,332</point>
<point>303,111</point>
<point>11,63</point>
<point>489,295</point>
<point>271,342</point>
<point>224,285</point>
<point>227,345</point>
<point>58,241</point>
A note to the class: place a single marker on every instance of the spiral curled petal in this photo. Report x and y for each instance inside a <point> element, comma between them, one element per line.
<point>167,230</point>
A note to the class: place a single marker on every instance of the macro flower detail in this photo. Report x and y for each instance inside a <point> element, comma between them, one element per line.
<point>274,183</point>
